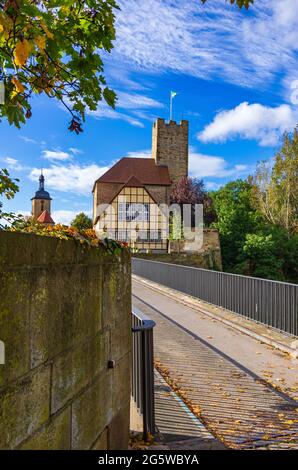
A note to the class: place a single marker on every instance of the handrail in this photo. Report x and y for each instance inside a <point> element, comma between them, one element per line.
<point>272,303</point>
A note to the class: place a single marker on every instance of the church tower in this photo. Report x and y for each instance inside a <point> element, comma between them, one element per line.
<point>170,147</point>
<point>41,204</point>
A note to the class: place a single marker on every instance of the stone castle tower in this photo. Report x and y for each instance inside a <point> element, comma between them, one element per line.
<point>41,204</point>
<point>170,147</point>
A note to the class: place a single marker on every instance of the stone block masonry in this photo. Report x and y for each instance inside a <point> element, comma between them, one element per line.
<point>65,311</point>
<point>188,253</point>
<point>170,147</point>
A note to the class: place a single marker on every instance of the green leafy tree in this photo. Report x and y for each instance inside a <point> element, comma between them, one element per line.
<point>260,257</point>
<point>250,244</point>
<point>236,217</point>
<point>271,254</point>
<point>276,187</point>
<point>82,222</point>
<point>240,3</point>
<point>53,47</point>
<point>8,189</point>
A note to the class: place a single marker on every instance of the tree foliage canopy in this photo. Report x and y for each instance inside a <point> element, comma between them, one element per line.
<point>192,191</point>
<point>276,187</point>
<point>188,191</point>
<point>8,189</point>
<point>250,245</point>
<point>257,219</point>
<point>240,3</point>
<point>53,47</point>
<point>81,222</point>
<point>235,218</point>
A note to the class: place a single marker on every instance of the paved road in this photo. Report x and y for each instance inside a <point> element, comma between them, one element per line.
<point>177,427</point>
<point>220,374</point>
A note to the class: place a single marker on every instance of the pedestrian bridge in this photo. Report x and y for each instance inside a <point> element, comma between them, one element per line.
<point>243,391</point>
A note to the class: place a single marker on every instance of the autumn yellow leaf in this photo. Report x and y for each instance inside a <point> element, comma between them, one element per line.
<point>40,41</point>
<point>46,30</point>
<point>196,410</point>
<point>18,85</point>
<point>6,25</point>
<point>64,10</point>
<point>22,51</point>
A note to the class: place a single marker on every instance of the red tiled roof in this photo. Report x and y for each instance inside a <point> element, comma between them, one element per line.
<point>45,218</point>
<point>134,181</point>
<point>144,170</point>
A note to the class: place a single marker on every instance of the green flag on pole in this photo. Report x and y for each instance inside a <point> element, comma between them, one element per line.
<point>173,94</point>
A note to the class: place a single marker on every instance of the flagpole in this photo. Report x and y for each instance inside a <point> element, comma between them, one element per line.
<point>171,105</point>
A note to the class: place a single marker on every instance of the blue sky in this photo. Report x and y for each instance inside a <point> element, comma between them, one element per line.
<point>235,74</point>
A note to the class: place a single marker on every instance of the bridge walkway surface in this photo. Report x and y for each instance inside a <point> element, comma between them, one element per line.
<point>244,392</point>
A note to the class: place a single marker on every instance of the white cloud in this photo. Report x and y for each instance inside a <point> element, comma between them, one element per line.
<point>64,217</point>
<point>25,214</point>
<point>214,40</point>
<point>28,140</point>
<point>136,101</point>
<point>136,104</point>
<point>55,155</point>
<point>13,164</point>
<point>119,75</point>
<point>250,121</point>
<point>203,166</point>
<point>140,154</point>
<point>212,186</point>
<point>75,151</point>
<point>74,178</point>
<point>105,112</point>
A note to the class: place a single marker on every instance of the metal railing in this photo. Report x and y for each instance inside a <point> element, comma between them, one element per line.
<point>270,302</point>
<point>143,369</point>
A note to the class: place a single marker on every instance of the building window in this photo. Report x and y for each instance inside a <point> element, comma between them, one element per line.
<point>122,236</point>
<point>146,212</point>
<point>155,235</point>
<point>137,212</point>
<point>121,211</point>
<point>143,236</point>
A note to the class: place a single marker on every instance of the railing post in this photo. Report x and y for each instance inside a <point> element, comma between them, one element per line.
<point>143,370</point>
<point>144,386</point>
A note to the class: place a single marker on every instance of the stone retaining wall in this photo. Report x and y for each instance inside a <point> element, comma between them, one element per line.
<point>188,253</point>
<point>64,313</point>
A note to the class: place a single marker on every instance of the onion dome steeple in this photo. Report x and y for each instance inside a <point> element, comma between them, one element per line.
<point>41,193</point>
<point>41,204</point>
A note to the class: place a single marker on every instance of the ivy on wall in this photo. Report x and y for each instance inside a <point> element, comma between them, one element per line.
<point>85,237</point>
